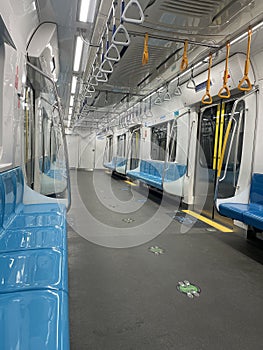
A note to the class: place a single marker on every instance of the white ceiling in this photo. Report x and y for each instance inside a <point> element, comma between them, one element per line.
<point>208,22</point>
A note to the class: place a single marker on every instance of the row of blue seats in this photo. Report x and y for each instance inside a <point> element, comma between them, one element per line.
<point>33,270</point>
<point>151,172</point>
<point>251,213</point>
<point>45,166</point>
<point>115,162</point>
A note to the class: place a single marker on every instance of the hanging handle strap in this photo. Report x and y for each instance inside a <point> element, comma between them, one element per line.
<point>120,30</point>
<point>145,57</point>
<point>224,92</point>
<point>184,63</point>
<point>245,78</point>
<point>178,90</point>
<point>134,3</point>
<point>191,82</point>
<point>207,98</point>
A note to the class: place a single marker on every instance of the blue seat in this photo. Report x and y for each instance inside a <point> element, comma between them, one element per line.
<point>34,320</point>
<point>234,211</point>
<point>251,213</point>
<point>254,216</point>
<point>22,208</point>
<point>120,161</point>
<point>173,171</point>
<point>111,165</point>
<point>33,269</point>
<point>16,215</point>
<point>151,172</point>
<point>33,238</point>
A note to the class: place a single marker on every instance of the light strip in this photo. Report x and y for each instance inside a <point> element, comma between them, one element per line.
<point>71,101</point>
<point>78,54</point>
<point>73,84</point>
<point>87,10</point>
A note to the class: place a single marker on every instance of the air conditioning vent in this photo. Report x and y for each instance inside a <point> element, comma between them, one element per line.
<point>191,7</point>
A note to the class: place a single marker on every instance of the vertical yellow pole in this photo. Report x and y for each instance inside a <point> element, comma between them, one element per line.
<point>216,137</point>
<point>221,134</point>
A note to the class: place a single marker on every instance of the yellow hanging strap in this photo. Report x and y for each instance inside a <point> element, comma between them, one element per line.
<point>245,78</point>
<point>145,57</point>
<point>184,63</point>
<point>207,98</point>
<point>224,92</point>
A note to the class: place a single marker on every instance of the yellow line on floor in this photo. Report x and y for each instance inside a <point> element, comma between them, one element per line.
<point>208,221</point>
<point>107,172</point>
<point>130,183</point>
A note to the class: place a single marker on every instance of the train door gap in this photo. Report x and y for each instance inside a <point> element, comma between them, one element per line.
<point>212,126</point>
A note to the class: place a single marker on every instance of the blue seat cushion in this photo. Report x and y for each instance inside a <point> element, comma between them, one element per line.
<point>34,320</point>
<point>36,220</point>
<point>149,179</point>
<point>33,269</point>
<point>233,210</point>
<point>254,216</point>
<point>33,238</point>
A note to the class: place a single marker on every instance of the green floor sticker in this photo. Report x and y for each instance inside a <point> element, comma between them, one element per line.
<point>128,220</point>
<point>189,289</point>
<point>156,250</point>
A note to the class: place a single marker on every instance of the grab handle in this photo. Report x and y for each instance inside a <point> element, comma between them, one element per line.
<point>184,63</point>
<point>191,83</point>
<point>145,56</point>
<point>104,68</point>
<point>245,78</point>
<point>224,92</point>
<point>133,20</point>
<point>178,90</point>
<point>112,54</point>
<point>121,29</point>
<point>207,98</point>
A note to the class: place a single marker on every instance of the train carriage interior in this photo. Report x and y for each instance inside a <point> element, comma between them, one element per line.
<point>131,174</point>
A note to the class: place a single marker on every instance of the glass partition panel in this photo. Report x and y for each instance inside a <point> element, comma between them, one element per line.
<point>51,172</point>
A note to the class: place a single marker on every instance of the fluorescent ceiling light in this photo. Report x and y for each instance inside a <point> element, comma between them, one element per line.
<point>73,84</point>
<point>78,54</point>
<point>87,10</point>
<point>70,110</point>
<point>71,101</point>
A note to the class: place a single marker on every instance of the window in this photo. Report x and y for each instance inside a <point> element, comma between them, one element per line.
<point>173,144</point>
<point>135,149</point>
<point>158,141</point>
<point>121,145</point>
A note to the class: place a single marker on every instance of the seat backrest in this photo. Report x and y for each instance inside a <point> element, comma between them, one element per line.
<point>256,189</point>
<point>120,161</point>
<point>152,167</point>
<point>173,171</point>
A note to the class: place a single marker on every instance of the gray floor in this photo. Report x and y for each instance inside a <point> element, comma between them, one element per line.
<point>127,298</point>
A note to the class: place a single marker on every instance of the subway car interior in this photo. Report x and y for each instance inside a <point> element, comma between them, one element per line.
<point>131,174</point>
